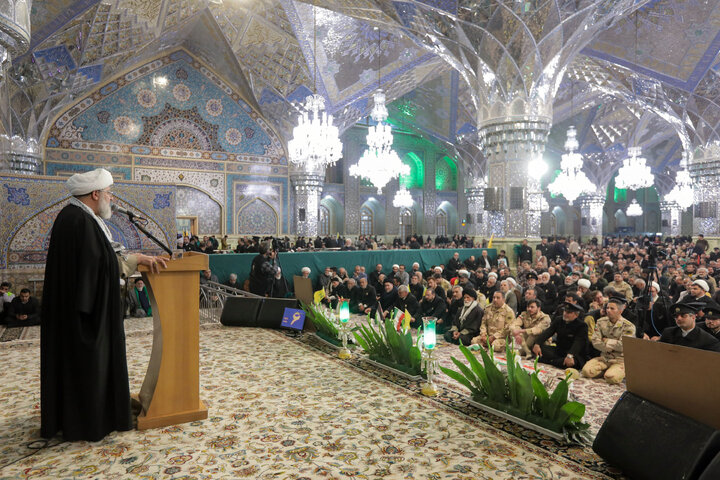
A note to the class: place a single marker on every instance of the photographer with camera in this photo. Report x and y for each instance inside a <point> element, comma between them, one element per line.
<point>262,271</point>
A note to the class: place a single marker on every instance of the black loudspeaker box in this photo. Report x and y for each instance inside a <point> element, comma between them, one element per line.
<point>647,441</point>
<point>241,311</point>
<point>272,310</point>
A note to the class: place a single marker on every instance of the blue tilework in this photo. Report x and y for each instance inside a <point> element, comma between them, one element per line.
<point>186,88</point>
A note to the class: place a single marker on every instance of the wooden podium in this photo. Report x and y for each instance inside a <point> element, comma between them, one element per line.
<point>170,393</point>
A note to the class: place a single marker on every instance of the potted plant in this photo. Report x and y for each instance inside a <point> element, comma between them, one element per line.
<point>388,345</point>
<point>520,394</point>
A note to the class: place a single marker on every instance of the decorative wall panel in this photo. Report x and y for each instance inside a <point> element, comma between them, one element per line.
<point>196,203</point>
<point>29,205</point>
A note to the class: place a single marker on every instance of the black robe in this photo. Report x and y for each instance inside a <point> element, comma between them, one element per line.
<point>83,374</point>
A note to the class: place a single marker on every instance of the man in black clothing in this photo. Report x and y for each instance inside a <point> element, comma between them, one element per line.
<point>416,286</point>
<point>366,296</point>
<point>466,323</point>
<point>406,301</point>
<point>374,277</point>
<point>526,253</point>
<point>262,272</point>
<point>388,296</point>
<point>84,388</point>
<point>453,265</point>
<point>454,304</point>
<point>543,247</point>
<point>687,333</point>
<point>560,251</point>
<point>432,306</point>
<point>24,310</point>
<point>572,340</point>
<point>712,320</point>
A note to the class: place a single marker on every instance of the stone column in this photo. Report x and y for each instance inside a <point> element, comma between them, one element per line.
<point>705,172</point>
<point>353,143</point>
<point>509,146</point>
<point>591,213</point>
<point>307,187</point>
<point>671,222</point>
<point>392,213</point>
<point>430,202</point>
<point>475,196</point>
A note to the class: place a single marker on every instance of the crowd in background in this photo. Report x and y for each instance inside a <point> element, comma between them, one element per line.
<point>251,244</point>
<point>567,302</point>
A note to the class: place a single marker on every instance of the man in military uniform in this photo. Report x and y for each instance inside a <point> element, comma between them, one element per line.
<point>607,339</point>
<point>528,325</point>
<point>497,319</point>
<point>571,343</point>
<point>620,286</point>
<point>687,334</point>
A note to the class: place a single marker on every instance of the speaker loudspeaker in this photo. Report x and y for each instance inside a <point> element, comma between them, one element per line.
<point>647,441</point>
<point>240,311</point>
<point>255,312</point>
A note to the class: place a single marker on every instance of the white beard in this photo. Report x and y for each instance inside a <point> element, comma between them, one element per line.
<point>104,210</point>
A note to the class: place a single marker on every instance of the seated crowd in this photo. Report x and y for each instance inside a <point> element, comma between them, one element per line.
<point>210,244</point>
<point>570,304</point>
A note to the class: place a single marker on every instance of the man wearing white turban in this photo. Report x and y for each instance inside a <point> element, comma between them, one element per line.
<point>84,380</point>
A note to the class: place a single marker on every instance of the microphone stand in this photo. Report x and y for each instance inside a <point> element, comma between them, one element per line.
<point>134,220</point>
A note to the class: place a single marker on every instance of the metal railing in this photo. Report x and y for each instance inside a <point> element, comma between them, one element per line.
<point>212,300</point>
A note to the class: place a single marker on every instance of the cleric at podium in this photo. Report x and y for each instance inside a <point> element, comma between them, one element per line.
<point>84,378</point>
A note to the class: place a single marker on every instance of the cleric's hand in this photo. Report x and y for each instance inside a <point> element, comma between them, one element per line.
<point>153,262</point>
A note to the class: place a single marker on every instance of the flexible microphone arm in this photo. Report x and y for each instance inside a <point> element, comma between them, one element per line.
<point>134,220</point>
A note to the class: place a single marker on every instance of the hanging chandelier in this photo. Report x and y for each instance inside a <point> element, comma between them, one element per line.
<point>634,209</point>
<point>682,193</point>
<point>379,163</point>
<point>634,173</point>
<point>403,199</point>
<point>572,181</point>
<point>316,141</point>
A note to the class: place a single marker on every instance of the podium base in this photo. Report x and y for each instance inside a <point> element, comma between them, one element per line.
<point>145,422</point>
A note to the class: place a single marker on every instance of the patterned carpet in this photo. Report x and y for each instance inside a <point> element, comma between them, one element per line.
<point>285,409</point>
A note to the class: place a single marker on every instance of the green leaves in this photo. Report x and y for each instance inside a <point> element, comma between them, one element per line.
<point>517,391</point>
<point>320,321</point>
<point>381,341</point>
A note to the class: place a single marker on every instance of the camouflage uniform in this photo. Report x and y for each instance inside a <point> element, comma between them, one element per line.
<point>607,338</point>
<point>496,323</point>
<point>534,326</point>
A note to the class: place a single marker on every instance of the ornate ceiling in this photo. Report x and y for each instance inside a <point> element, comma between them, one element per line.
<point>624,72</point>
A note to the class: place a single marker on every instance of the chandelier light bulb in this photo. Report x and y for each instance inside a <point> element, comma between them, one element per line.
<point>316,141</point>
<point>379,163</point>
<point>537,168</point>
<point>634,174</point>
<point>634,209</point>
<point>572,181</point>
<point>403,199</point>
<point>682,193</point>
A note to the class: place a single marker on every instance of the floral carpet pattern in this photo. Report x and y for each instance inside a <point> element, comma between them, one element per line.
<point>283,409</point>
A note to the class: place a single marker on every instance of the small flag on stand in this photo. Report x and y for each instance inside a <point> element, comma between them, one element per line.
<point>319,295</point>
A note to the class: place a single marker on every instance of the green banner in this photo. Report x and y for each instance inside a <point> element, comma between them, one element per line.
<point>223,265</point>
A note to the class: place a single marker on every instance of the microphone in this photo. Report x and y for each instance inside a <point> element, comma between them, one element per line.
<point>116,208</point>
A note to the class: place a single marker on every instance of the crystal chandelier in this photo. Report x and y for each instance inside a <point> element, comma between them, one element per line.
<point>403,199</point>
<point>634,174</point>
<point>634,209</point>
<point>572,181</point>
<point>379,163</point>
<point>682,193</point>
<point>316,142</point>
